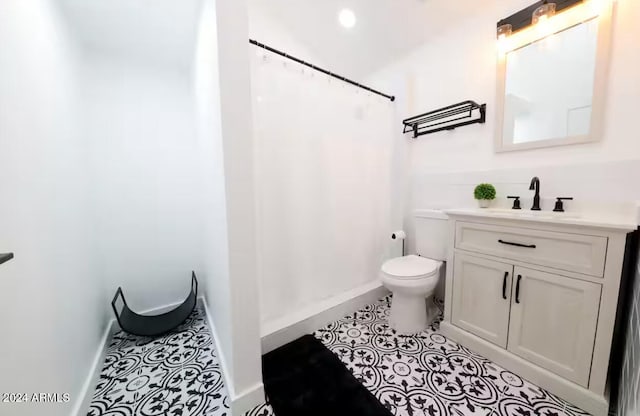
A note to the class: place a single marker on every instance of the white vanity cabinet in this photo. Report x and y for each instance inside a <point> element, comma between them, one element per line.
<point>481,297</point>
<point>538,297</point>
<point>553,322</point>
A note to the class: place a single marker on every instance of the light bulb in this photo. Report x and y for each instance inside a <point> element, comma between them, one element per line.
<point>541,18</point>
<point>504,44</point>
<point>347,18</point>
<point>544,27</point>
<point>543,13</point>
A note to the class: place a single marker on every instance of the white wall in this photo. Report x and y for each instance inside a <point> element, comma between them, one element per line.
<point>237,133</point>
<point>206,89</point>
<point>222,86</point>
<point>461,64</point>
<point>140,120</point>
<point>215,271</point>
<point>50,294</point>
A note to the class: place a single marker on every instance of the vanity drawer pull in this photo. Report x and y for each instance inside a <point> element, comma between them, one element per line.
<point>518,289</point>
<point>504,285</point>
<point>509,243</point>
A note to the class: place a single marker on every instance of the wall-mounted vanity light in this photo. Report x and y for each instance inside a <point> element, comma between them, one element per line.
<point>545,18</point>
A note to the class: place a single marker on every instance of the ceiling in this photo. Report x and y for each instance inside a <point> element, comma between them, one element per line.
<point>385,29</point>
<point>164,31</point>
<point>158,31</point>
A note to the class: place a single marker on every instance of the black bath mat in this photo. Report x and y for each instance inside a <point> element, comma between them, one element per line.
<point>304,378</point>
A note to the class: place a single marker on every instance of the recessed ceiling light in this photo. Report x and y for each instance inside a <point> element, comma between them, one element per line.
<point>347,18</point>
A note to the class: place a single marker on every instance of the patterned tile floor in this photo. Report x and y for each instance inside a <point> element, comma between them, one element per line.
<point>427,374</point>
<point>175,375</point>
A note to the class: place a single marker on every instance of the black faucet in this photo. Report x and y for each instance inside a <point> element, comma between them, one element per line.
<point>535,185</point>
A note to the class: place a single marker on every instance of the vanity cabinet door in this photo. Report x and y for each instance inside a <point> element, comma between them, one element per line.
<point>481,297</point>
<point>553,322</point>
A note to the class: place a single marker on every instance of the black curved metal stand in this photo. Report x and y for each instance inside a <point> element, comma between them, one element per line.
<point>155,325</point>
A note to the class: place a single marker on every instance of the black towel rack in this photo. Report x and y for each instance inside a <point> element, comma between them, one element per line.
<point>446,118</point>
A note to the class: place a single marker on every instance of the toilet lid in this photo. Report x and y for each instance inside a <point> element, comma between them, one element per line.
<point>411,266</point>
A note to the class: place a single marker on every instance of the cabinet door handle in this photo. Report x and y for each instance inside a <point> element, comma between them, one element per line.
<point>509,243</point>
<point>518,289</point>
<point>504,285</point>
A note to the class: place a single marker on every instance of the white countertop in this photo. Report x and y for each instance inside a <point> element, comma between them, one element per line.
<point>613,220</point>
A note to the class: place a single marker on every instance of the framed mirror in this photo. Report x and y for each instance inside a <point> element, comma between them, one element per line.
<point>551,87</point>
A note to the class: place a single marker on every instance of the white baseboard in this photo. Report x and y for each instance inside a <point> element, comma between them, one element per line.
<point>81,407</point>
<point>218,346</point>
<point>281,331</point>
<point>247,400</point>
<point>240,402</point>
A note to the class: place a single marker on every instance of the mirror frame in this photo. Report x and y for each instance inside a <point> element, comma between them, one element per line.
<point>603,53</point>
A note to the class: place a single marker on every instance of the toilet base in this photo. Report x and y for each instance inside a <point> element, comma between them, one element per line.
<point>411,314</point>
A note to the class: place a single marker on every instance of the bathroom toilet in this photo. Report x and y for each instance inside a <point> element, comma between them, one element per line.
<point>413,278</point>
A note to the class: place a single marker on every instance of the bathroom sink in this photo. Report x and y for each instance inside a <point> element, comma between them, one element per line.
<point>610,220</point>
<point>515,213</point>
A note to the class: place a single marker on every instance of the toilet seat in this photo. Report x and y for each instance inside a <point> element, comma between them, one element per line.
<point>411,267</point>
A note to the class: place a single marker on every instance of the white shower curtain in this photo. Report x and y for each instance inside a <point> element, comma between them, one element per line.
<point>323,166</point>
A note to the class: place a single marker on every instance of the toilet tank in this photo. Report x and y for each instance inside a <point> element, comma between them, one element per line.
<point>431,233</point>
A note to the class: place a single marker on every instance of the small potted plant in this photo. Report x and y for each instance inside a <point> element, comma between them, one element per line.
<point>484,193</point>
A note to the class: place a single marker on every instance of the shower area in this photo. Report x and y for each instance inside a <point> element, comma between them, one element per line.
<point>323,157</point>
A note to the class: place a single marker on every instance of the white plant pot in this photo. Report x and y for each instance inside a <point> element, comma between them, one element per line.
<point>484,203</point>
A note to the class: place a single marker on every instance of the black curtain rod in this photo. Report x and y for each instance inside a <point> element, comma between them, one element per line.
<point>324,71</point>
